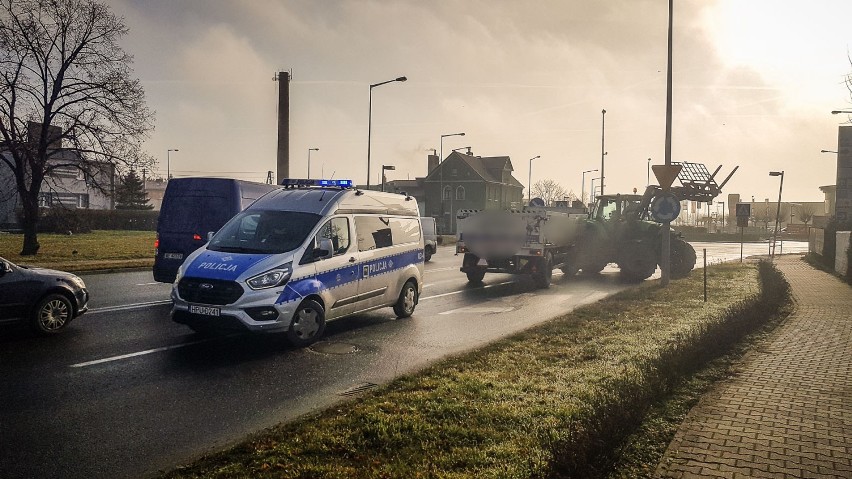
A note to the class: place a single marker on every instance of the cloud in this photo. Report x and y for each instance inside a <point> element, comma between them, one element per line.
<point>520,78</point>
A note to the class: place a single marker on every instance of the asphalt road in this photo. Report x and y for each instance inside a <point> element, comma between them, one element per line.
<point>125,392</point>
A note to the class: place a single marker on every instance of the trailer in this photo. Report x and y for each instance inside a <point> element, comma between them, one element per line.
<point>530,241</point>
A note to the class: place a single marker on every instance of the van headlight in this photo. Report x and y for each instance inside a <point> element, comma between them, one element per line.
<point>272,278</point>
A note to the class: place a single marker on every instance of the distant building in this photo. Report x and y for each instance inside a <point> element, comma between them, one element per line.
<point>464,181</point>
<point>156,189</point>
<point>65,186</point>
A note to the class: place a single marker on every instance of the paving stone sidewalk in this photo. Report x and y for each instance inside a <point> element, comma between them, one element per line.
<point>788,413</point>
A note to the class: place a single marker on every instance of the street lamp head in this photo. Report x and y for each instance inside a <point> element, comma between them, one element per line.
<point>536,156</point>
<point>835,112</point>
<point>402,79</point>
<point>603,112</point>
<point>388,167</point>
<point>827,151</point>
<point>776,173</point>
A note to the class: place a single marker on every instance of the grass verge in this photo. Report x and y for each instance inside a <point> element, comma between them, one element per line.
<point>98,250</point>
<point>554,401</point>
<point>640,453</point>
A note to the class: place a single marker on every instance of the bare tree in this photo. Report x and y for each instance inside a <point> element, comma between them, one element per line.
<point>549,191</point>
<point>67,98</point>
<point>806,212</point>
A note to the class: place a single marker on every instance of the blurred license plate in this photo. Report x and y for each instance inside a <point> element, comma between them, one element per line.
<point>173,255</point>
<point>205,310</point>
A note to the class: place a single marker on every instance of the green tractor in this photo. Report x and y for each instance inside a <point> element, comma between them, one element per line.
<point>620,229</point>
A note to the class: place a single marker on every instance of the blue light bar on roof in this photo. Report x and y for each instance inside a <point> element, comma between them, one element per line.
<point>301,182</point>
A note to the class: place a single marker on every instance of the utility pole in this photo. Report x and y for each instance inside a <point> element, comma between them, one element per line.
<point>603,151</point>
<point>665,254</point>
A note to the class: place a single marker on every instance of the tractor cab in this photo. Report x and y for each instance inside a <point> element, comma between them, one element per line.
<point>613,207</point>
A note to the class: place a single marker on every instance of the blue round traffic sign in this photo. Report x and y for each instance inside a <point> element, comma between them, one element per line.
<point>665,207</point>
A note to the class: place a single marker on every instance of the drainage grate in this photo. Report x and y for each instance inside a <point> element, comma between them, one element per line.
<point>357,389</point>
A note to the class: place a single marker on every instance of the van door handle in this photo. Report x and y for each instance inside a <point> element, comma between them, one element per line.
<point>352,259</point>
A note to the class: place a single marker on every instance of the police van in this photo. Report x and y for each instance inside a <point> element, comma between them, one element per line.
<point>313,251</point>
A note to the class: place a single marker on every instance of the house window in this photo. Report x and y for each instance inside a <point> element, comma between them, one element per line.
<point>44,200</point>
<point>460,193</point>
<point>454,172</point>
<point>448,192</point>
<point>83,200</point>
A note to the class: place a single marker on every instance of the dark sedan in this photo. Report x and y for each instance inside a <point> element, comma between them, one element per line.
<point>46,299</point>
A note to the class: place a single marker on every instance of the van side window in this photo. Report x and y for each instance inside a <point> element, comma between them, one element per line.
<point>376,232</point>
<point>337,230</point>
<point>372,232</point>
<point>405,230</point>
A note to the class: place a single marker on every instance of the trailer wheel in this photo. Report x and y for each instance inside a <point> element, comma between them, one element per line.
<point>594,267</point>
<point>682,258</point>
<point>475,277</point>
<point>542,277</point>
<point>570,269</point>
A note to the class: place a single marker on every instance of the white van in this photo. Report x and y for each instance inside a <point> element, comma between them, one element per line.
<point>314,251</point>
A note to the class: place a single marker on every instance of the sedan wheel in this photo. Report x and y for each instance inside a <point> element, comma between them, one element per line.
<point>52,314</point>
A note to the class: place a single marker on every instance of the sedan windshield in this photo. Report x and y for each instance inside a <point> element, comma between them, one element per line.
<point>261,231</point>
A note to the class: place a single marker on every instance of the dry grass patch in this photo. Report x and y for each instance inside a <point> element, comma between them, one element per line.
<point>97,250</point>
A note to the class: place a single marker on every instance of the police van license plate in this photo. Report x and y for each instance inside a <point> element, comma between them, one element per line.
<point>173,255</point>
<point>205,310</point>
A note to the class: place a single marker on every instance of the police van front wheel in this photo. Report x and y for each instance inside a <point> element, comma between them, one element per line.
<point>308,324</point>
<point>404,307</point>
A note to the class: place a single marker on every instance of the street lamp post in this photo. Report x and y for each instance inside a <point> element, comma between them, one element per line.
<point>723,216</point>
<point>386,168</point>
<point>778,210</point>
<point>529,179</point>
<point>168,163</point>
<point>309,160</point>
<point>603,151</point>
<point>837,112</point>
<point>370,121</point>
<point>648,174</point>
<point>583,186</point>
<point>441,174</point>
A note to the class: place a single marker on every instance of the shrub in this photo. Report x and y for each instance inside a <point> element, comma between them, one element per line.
<point>61,220</point>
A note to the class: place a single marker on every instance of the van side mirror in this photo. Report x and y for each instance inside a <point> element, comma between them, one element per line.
<point>210,235</point>
<point>324,250</point>
<point>5,268</point>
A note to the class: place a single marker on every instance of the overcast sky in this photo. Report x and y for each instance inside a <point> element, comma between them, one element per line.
<point>754,84</point>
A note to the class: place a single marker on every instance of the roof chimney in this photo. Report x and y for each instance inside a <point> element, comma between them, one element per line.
<point>431,163</point>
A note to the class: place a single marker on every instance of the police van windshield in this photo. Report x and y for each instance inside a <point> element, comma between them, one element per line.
<point>262,231</point>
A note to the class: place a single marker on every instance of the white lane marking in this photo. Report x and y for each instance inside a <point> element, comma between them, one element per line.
<point>125,307</point>
<point>443,269</point>
<point>460,292</point>
<point>175,346</point>
<point>148,284</point>
<point>139,353</point>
